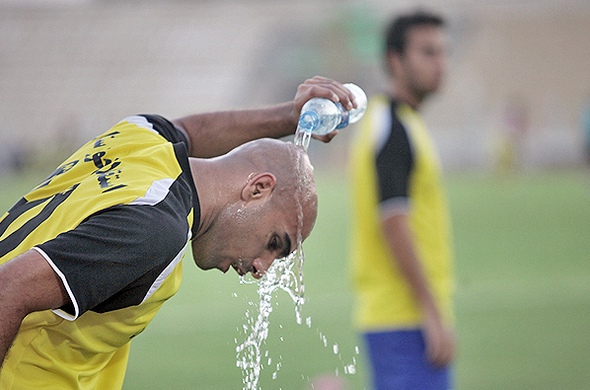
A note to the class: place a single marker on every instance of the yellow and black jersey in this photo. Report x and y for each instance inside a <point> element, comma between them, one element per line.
<point>113,221</point>
<point>395,169</point>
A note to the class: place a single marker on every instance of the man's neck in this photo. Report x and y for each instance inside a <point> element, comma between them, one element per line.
<point>207,190</point>
<point>404,95</point>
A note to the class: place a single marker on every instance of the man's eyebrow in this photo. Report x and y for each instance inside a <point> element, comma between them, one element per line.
<point>287,246</point>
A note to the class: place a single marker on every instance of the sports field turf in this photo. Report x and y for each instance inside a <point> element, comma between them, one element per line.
<point>522,247</point>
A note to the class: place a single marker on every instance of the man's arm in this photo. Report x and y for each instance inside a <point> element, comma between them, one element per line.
<point>216,133</point>
<point>27,284</point>
<point>439,338</point>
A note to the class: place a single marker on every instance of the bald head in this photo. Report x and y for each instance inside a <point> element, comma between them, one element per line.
<point>295,187</point>
<point>258,203</point>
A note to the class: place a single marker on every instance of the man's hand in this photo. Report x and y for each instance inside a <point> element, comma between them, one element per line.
<point>319,86</point>
<point>439,339</point>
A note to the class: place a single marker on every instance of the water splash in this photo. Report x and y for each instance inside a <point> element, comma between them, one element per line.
<point>284,274</point>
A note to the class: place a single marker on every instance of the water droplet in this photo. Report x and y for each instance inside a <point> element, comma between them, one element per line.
<point>350,369</point>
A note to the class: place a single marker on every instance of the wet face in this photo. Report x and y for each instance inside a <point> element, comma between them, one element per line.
<point>248,238</point>
<point>423,64</point>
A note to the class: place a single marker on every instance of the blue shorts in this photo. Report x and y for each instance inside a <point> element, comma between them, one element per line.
<point>398,362</point>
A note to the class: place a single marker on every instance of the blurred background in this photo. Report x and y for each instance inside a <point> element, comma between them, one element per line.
<point>71,68</point>
<point>508,124</point>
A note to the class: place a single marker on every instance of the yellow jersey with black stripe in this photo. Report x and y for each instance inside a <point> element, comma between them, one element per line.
<point>113,221</point>
<point>394,169</point>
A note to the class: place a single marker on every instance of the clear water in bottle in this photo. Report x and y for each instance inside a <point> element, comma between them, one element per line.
<point>360,97</point>
<point>321,116</point>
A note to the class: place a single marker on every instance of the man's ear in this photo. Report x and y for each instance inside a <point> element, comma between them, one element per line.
<point>259,186</point>
<point>394,61</point>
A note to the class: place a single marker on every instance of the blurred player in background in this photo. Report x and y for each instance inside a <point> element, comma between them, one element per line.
<point>401,244</point>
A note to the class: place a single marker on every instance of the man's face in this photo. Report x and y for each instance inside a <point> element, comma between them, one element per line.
<point>423,64</point>
<point>248,238</point>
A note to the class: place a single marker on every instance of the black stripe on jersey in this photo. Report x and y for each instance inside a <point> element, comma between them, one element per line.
<point>17,210</point>
<point>167,130</point>
<point>15,238</point>
<point>181,145</point>
<point>111,260</point>
<point>187,178</point>
<point>394,161</point>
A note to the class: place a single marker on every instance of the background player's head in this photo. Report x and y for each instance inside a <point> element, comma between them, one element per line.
<point>415,52</point>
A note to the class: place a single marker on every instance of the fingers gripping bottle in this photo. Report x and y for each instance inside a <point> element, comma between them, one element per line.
<point>321,116</point>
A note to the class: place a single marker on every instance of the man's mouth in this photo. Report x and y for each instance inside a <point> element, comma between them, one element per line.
<point>242,270</point>
<point>239,270</point>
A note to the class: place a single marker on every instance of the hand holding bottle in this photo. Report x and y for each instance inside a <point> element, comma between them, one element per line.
<point>321,116</point>
<point>319,86</point>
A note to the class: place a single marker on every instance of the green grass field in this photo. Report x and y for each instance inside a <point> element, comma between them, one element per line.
<point>522,247</point>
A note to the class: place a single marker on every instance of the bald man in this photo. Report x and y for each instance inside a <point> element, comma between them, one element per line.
<point>88,257</point>
<point>256,205</point>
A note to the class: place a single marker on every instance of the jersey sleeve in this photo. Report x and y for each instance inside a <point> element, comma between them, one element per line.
<point>393,165</point>
<point>167,130</point>
<point>112,260</point>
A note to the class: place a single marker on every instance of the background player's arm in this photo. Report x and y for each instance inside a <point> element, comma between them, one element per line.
<point>27,284</point>
<point>216,133</point>
<point>439,338</point>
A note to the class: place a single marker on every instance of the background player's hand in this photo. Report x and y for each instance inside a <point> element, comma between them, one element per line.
<point>440,341</point>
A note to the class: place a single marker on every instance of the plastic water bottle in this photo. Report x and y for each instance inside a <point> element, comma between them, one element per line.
<point>321,116</point>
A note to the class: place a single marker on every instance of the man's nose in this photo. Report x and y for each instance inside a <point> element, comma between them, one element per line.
<point>263,263</point>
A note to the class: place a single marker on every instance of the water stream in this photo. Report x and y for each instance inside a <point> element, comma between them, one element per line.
<point>302,137</point>
<point>284,274</point>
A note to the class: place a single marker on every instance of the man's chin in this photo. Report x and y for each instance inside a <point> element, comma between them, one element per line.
<point>203,264</point>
